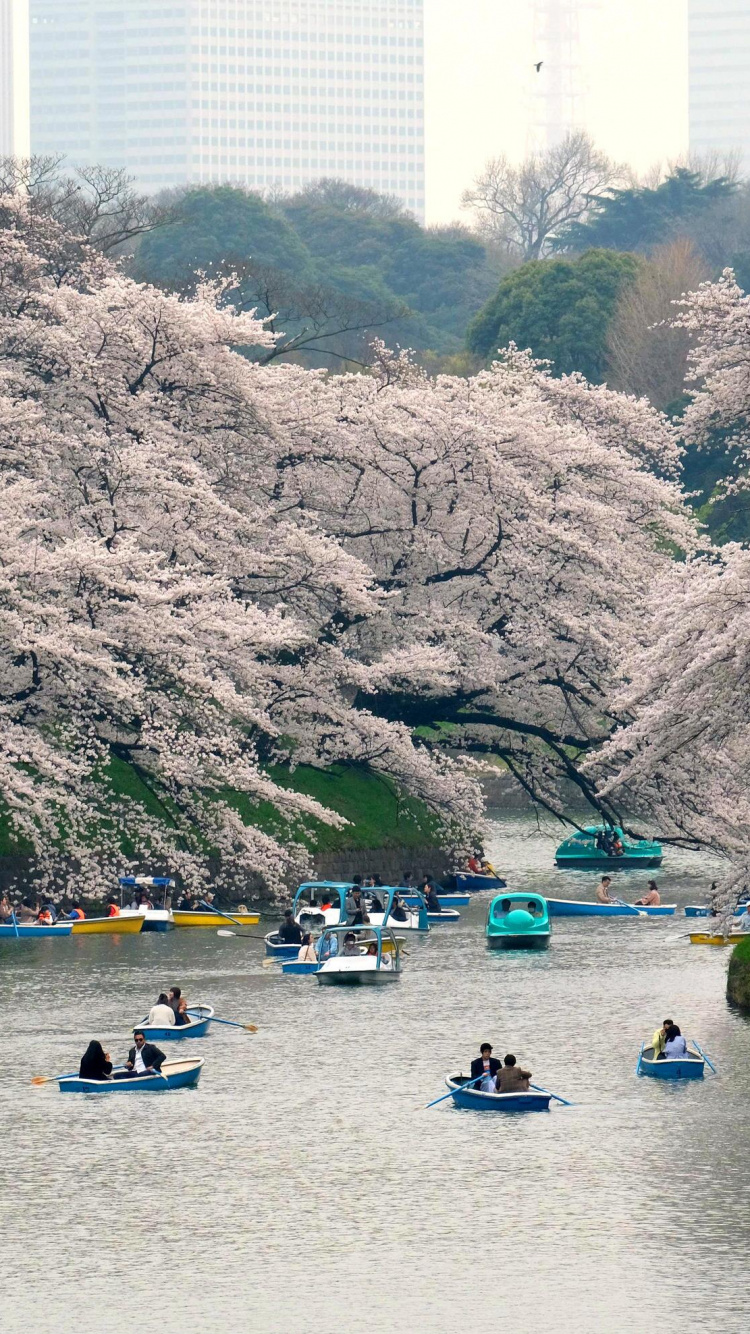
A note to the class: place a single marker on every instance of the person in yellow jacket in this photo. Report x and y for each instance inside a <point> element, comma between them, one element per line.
<point>659,1038</point>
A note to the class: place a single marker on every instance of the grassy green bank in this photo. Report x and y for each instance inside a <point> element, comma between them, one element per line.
<point>738,976</point>
<point>385,827</point>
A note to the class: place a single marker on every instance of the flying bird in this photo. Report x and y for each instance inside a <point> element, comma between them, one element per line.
<point>538,65</point>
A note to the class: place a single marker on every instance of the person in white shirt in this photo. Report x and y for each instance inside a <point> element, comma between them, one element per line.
<point>161,1015</point>
<point>306,953</point>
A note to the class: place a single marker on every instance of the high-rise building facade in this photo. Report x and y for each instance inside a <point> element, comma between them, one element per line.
<point>719,76</point>
<point>268,93</point>
<point>14,78</point>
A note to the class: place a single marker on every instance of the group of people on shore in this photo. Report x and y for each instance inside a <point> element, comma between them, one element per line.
<point>144,1058</point>
<point>489,1075</point>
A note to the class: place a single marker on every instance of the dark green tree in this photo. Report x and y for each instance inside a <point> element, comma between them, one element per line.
<point>642,217</point>
<point>560,308</point>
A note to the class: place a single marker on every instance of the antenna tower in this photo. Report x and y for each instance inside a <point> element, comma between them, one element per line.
<point>561,87</point>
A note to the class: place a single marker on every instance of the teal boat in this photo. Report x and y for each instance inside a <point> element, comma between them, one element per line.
<point>587,850</point>
<point>518,922</point>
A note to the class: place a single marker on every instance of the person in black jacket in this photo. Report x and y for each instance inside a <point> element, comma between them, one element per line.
<point>485,1064</point>
<point>95,1063</point>
<point>289,932</point>
<point>144,1058</point>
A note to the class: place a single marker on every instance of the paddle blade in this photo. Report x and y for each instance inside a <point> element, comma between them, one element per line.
<point>251,1028</point>
<point>41,1079</point>
<point>223,931</point>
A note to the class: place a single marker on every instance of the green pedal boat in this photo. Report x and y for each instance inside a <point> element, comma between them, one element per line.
<point>518,922</point>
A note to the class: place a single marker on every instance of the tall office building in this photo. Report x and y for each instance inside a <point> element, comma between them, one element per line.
<point>719,76</point>
<point>14,78</point>
<point>267,93</point>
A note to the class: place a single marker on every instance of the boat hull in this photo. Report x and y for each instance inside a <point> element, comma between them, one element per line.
<point>694,910</point>
<point>200,1021</point>
<point>476,884</point>
<point>472,1100</point>
<point>358,978</point>
<point>299,966</point>
<point>275,949</point>
<point>605,863</point>
<point>445,900</point>
<point>708,938</point>
<point>573,908</point>
<point>154,919</point>
<point>28,931</point>
<point>539,941</point>
<point>685,1068</point>
<point>108,926</point>
<point>175,1075</point>
<point>211,920</point>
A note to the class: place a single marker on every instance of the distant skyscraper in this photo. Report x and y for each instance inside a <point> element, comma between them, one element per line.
<point>719,76</point>
<point>14,78</point>
<point>267,93</point>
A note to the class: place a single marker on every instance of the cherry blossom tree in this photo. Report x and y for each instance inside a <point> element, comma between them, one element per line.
<point>156,608</point>
<point>683,753</point>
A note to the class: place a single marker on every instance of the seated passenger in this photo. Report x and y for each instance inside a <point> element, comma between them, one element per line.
<point>659,1038</point>
<point>376,903</point>
<point>327,946</point>
<point>76,913</point>
<point>113,908</point>
<point>26,912</point>
<point>651,899</point>
<point>350,945</point>
<point>95,1063</point>
<point>306,953</point>
<point>675,1045</point>
<point>44,916</point>
<point>326,905</point>
<point>6,908</point>
<point>504,908</point>
<point>161,1015</point>
<point>512,1079</point>
<point>289,932</point>
<point>182,1016</point>
<point>533,906</point>
<point>431,894</point>
<point>474,865</point>
<point>617,848</point>
<point>743,921</point>
<point>398,911</point>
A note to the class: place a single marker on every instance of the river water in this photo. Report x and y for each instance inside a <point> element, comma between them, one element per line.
<point>303,1186</point>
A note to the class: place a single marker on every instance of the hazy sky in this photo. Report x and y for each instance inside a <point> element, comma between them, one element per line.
<point>480,84</point>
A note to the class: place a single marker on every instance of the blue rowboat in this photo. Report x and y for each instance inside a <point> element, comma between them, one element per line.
<point>467,882</point>
<point>688,1067</point>
<point>445,900</point>
<point>276,950</point>
<point>200,1019</point>
<point>300,966</point>
<point>694,910</point>
<point>517,922</point>
<point>28,930</point>
<point>174,1075</point>
<point>577,908</point>
<point>581,851</point>
<point>529,1101</point>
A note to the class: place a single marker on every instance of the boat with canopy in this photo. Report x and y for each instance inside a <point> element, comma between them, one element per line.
<point>361,962</point>
<point>586,850</point>
<point>154,919</point>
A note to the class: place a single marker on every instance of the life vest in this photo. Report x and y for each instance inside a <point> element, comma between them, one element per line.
<point>45,918</point>
<point>113,910</point>
<point>78,914</point>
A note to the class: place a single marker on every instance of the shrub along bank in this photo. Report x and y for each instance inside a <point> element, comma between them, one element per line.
<point>738,977</point>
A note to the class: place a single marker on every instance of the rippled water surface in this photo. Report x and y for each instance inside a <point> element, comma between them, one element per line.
<point>303,1187</point>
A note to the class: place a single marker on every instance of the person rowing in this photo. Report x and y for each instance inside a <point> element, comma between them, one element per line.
<point>602,890</point>
<point>143,1058</point>
<point>486,1066</point>
<point>431,895</point>
<point>289,933</point>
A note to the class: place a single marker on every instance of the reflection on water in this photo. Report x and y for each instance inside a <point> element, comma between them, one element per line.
<point>302,1187</point>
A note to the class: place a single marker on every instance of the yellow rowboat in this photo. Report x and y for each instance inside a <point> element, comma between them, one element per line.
<point>706,938</point>
<point>107,926</point>
<point>213,919</point>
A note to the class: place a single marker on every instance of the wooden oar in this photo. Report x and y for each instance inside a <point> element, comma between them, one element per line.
<point>232,1023</point>
<point>631,908</point>
<point>467,1085</point>
<point>50,1079</point>
<point>241,935</point>
<point>538,1088</point>
<point>638,1062</point>
<point>701,1052</point>
<point>218,913</point>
